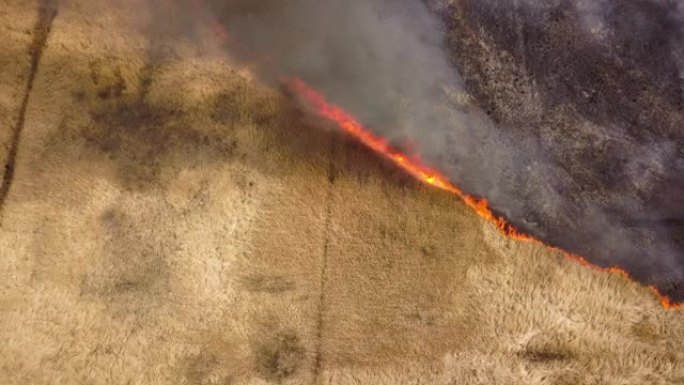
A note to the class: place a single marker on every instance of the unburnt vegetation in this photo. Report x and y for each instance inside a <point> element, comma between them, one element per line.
<point>173,220</point>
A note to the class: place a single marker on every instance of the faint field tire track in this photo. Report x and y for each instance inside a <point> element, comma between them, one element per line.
<point>47,11</point>
<point>318,358</point>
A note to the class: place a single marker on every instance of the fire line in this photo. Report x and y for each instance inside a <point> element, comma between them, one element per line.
<point>417,169</point>
<point>425,174</point>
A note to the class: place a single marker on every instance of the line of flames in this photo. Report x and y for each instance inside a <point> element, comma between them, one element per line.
<point>415,167</point>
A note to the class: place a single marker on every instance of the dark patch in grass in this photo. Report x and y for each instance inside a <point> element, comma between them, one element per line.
<point>545,354</point>
<point>266,284</point>
<point>280,357</point>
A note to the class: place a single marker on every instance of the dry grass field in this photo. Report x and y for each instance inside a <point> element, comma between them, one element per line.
<point>174,221</point>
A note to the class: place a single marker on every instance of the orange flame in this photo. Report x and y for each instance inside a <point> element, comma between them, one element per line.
<point>432,177</point>
<point>412,165</point>
<point>415,167</point>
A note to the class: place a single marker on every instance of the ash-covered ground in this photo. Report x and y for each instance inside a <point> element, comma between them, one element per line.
<point>598,87</point>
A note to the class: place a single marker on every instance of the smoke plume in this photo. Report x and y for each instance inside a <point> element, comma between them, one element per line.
<point>602,187</point>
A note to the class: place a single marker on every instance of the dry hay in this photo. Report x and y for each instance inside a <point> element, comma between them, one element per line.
<point>174,221</point>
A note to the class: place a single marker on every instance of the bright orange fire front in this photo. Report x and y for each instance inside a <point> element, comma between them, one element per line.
<point>428,175</point>
<point>417,169</point>
<point>410,164</point>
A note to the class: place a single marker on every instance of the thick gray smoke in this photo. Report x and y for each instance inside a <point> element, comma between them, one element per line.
<point>385,61</point>
<point>371,56</point>
<point>388,63</point>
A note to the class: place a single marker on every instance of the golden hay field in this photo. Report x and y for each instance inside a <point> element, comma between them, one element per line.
<point>173,221</point>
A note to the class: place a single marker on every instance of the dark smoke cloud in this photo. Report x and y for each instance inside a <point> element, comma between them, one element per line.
<point>387,62</point>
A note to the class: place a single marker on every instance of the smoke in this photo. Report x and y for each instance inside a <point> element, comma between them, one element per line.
<point>371,57</point>
<point>384,61</point>
<point>657,21</point>
<point>387,62</point>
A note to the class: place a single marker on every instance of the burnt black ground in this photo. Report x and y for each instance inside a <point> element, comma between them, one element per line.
<point>606,108</point>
